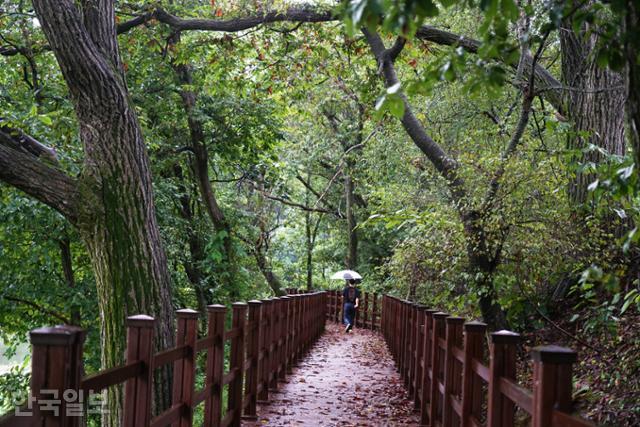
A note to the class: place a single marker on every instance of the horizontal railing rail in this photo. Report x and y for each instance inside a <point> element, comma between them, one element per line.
<point>265,338</point>
<point>441,360</point>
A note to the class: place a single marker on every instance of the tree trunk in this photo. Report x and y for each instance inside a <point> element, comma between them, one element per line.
<point>595,105</point>
<point>192,264</point>
<point>117,220</point>
<point>200,165</point>
<point>632,53</point>
<point>272,280</point>
<point>482,268</point>
<point>352,254</point>
<point>309,248</point>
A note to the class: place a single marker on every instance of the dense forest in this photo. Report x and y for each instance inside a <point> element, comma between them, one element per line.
<point>478,157</point>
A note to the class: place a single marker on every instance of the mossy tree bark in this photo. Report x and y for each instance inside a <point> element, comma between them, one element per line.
<point>594,100</point>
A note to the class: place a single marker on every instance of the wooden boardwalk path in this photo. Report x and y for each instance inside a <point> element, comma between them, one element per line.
<point>345,380</point>
<point>292,352</point>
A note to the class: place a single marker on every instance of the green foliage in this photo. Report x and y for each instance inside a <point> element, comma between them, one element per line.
<point>287,113</point>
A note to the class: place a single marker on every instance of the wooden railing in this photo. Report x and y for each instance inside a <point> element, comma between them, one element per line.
<point>441,360</point>
<point>368,313</point>
<point>266,337</point>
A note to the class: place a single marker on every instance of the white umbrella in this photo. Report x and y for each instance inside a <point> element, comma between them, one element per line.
<point>346,275</point>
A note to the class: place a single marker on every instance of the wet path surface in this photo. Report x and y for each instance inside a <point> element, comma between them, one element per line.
<point>345,380</point>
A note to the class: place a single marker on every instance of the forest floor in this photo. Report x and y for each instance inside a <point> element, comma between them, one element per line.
<point>345,380</point>
<point>607,374</point>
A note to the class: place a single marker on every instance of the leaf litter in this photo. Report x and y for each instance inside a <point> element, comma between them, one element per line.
<point>344,380</point>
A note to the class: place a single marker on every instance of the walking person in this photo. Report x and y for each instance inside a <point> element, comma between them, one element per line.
<point>351,299</point>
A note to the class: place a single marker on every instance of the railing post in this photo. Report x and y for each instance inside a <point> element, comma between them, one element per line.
<point>275,348</point>
<point>253,351</point>
<point>265,365</point>
<point>291,322</point>
<point>437,366</point>
<point>365,312</point>
<point>282,340</point>
<point>305,322</point>
<point>427,353</point>
<point>403,320</point>
<point>215,365</point>
<point>552,370</point>
<point>56,368</point>
<point>324,321</point>
<point>398,342</point>
<point>420,320</point>
<point>236,363</point>
<point>293,332</point>
<point>184,369</point>
<point>474,333</point>
<point>137,395</point>
<point>411,347</point>
<point>500,409</point>
<point>333,297</point>
<point>451,371</point>
<point>374,315</point>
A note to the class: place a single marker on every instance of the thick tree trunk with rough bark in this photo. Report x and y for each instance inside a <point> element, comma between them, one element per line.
<point>116,216</point>
<point>632,54</point>
<point>594,102</point>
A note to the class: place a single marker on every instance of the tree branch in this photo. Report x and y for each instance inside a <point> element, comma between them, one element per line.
<point>297,14</point>
<point>395,50</point>
<point>527,102</point>
<point>544,79</point>
<point>299,205</point>
<point>40,308</point>
<point>24,169</point>
<point>446,165</point>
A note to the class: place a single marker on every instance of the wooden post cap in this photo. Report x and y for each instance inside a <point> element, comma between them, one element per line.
<point>505,337</point>
<point>141,321</point>
<point>239,305</point>
<point>254,302</point>
<point>187,313</point>
<point>554,354</point>
<point>455,320</point>
<point>213,308</point>
<point>61,335</point>
<point>475,326</point>
<point>285,298</point>
<point>440,315</point>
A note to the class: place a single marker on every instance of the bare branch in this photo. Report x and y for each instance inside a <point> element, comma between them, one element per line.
<point>299,205</point>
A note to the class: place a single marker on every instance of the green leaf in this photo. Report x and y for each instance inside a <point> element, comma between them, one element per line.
<point>396,106</point>
<point>46,120</point>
